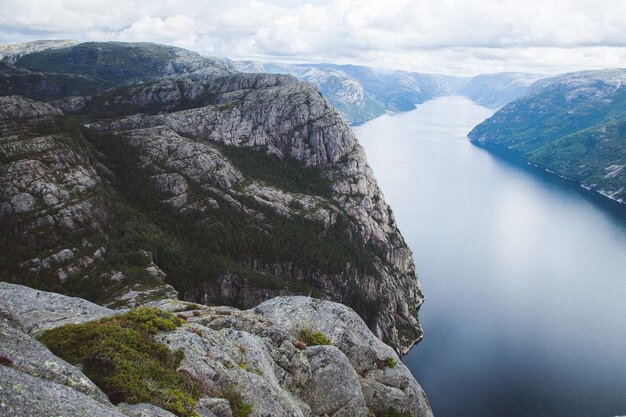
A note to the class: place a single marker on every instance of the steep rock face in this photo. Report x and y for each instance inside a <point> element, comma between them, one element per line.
<point>573,125</point>
<point>254,351</point>
<point>288,119</point>
<point>229,187</point>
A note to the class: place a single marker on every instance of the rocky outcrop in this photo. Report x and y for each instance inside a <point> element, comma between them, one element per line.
<point>47,180</point>
<point>256,352</point>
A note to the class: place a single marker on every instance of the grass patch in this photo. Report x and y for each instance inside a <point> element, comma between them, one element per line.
<point>313,338</point>
<point>390,362</point>
<point>119,354</point>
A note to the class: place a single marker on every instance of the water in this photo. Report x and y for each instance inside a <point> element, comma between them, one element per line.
<point>524,274</point>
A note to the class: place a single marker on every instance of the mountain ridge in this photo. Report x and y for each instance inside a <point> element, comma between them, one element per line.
<point>571,125</point>
<point>254,173</point>
<point>361,93</point>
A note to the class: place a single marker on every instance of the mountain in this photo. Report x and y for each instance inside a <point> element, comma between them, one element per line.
<point>176,172</point>
<point>361,93</point>
<point>573,125</point>
<point>288,357</point>
<point>495,90</point>
<point>12,52</point>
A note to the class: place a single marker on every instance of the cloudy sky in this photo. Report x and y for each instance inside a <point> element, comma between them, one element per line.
<point>444,36</point>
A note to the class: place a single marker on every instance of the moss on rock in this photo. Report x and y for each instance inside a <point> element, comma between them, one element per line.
<point>313,338</point>
<point>120,355</point>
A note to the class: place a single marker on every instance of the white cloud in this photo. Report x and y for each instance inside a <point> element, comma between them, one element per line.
<point>453,36</point>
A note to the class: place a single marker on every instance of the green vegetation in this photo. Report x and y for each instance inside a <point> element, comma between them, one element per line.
<point>313,338</point>
<point>190,247</point>
<point>43,86</point>
<point>390,362</point>
<point>578,136</point>
<point>285,173</point>
<point>165,96</point>
<point>239,407</point>
<point>198,247</point>
<point>110,63</point>
<point>120,355</point>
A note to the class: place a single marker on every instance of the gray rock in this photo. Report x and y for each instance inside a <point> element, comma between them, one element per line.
<point>29,356</point>
<point>22,203</point>
<point>382,386</point>
<point>143,410</point>
<point>24,395</point>
<point>33,311</point>
<point>334,387</point>
<point>213,407</point>
<point>250,353</point>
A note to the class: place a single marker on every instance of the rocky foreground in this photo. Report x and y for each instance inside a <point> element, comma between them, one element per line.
<point>256,352</point>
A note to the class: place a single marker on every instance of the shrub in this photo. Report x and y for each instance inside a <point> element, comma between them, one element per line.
<point>119,354</point>
<point>390,362</point>
<point>238,406</point>
<point>312,338</point>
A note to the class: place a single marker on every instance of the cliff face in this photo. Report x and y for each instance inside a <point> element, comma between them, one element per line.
<point>231,188</point>
<point>572,125</point>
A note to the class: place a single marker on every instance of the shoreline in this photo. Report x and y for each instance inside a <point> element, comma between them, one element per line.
<point>510,155</point>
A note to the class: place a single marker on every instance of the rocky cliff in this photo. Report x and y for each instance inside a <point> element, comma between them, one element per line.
<point>573,125</point>
<point>241,363</point>
<point>182,173</point>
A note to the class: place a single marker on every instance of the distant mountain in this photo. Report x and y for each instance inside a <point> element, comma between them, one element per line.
<point>12,52</point>
<point>495,90</point>
<point>361,93</point>
<point>573,124</point>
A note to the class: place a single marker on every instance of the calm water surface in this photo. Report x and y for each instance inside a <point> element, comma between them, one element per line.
<point>524,275</point>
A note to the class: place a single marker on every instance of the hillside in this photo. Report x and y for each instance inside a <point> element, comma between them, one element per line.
<point>182,173</point>
<point>573,125</point>
<point>361,93</point>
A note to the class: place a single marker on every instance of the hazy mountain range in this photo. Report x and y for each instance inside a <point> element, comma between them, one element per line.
<point>361,93</point>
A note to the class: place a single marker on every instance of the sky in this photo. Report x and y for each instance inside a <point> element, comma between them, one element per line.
<point>441,36</point>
